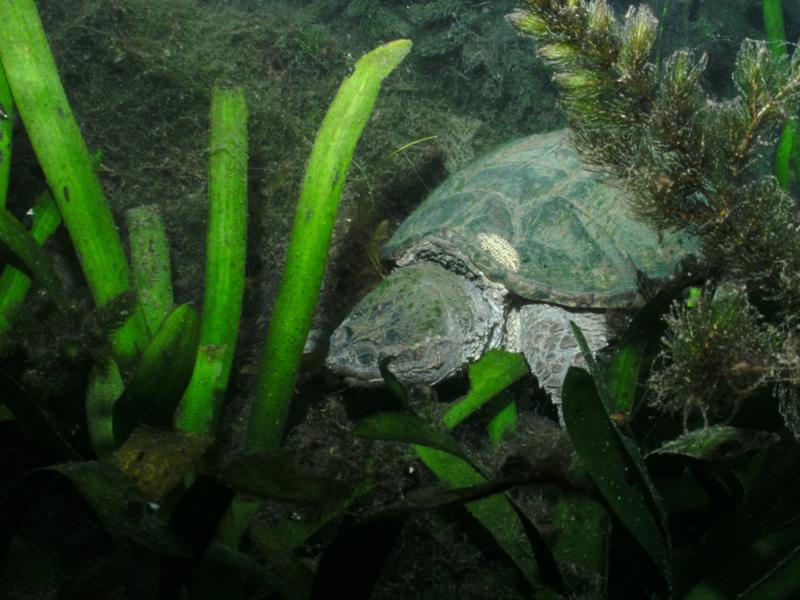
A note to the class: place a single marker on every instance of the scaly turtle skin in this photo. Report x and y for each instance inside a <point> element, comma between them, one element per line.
<point>503,255</point>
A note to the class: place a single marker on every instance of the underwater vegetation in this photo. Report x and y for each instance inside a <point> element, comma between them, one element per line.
<point>475,59</point>
<point>676,473</point>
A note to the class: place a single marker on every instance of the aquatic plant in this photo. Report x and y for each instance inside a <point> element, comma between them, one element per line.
<point>716,353</point>
<point>639,511</point>
<point>137,463</point>
<point>689,162</point>
<point>464,52</point>
<point>226,245</point>
<point>311,234</point>
<point>43,106</point>
<point>6,114</point>
<point>776,39</point>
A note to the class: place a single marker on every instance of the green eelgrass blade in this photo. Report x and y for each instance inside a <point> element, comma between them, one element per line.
<point>152,275</point>
<point>784,152</point>
<point>199,408</point>
<point>503,423</point>
<point>615,465</point>
<point>226,250</point>
<point>6,123</point>
<point>22,244</point>
<point>161,375</point>
<point>776,41</point>
<point>623,376</point>
<point>14,284</point>
<point>774,27</point>
<point>406,427</point>
<point>65,160</point>
<point>104,387</point>
<point>442,455</point>
<point>310,238</point>
<point>490,375</point>
<point>495,513</point>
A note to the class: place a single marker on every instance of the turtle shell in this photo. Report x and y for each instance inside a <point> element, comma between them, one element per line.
<point>532,217</point>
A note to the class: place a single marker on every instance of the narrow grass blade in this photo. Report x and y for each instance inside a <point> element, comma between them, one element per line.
<point>104,387</point>
<point>14,284</point>
<point>442,455</point>
<point>405,427</point>
<point>495,513</point>
<point>623,376</point>
<point>6,127</point>
<point>21,243</point>
<point>199,408</point>
<point>718,442</point>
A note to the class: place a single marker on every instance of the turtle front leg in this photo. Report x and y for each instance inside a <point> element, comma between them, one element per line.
<point>549,344</point>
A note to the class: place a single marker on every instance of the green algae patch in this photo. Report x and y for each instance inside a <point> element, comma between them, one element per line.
<point>158,461</point>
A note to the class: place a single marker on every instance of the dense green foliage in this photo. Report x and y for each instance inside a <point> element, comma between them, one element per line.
<point>690,163</point>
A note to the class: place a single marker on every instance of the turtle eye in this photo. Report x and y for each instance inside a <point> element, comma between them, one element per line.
<point>341,335</point>
<point>365,357</point>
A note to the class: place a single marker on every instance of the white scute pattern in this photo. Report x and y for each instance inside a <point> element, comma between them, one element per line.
<point>499,248</point>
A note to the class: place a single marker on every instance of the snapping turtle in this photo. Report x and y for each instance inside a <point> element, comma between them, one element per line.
<point>503,255</point>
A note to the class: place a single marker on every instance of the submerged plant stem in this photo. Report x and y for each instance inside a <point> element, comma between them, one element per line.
<point>310,238</point>
<point>226,250</point>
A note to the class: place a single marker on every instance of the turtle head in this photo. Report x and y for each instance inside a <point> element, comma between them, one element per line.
<point>426,319</point>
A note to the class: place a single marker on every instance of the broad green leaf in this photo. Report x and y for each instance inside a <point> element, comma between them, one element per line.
<point>615,466</point>
<point>277,476</point>
<point>599,375</point>
<point>494,372</point>
<point>623,375</point>
<point>405,427</point>
<point>104,387</point>
<point>718,442</point>
<point>495,513</point>
<point>113,498</point>
<point>503,423</point>
<point>395,386</point>
<point>443,456</point>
